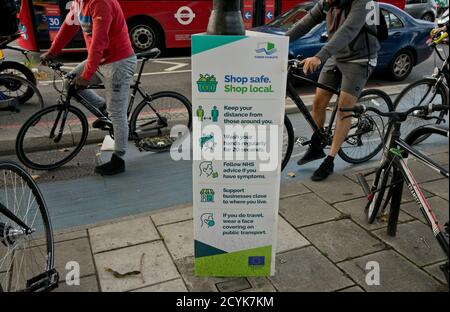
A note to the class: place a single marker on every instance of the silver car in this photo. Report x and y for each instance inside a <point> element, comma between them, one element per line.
<point>421,9</point>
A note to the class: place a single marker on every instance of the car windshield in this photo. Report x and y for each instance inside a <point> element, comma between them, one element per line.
<point>290,17</point>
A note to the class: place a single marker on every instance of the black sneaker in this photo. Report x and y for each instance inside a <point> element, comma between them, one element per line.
<point>313,153</point>
<point>324,171</point>
<point>115,166</point>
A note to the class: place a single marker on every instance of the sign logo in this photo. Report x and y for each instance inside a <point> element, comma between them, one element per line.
<point>267,48</point>
<point>207,83</point>
<point>256,260</point>
<point>185,15</point>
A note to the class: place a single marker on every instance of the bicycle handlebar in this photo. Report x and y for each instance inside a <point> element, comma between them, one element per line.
<point>361,109</point>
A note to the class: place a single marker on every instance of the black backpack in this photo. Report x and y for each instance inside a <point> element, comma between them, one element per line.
<point>8,17</point>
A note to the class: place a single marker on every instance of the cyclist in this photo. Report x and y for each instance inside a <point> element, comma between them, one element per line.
<point>348,59</point>
<point>111,60</point>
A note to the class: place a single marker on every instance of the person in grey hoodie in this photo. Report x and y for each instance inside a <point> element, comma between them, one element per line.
<point>348,59</point>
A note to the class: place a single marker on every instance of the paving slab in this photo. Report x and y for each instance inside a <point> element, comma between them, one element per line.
<point>336,188</point>
<point>259,284</point>
<point>435,270</point>
<point>307,270</point>
<point>441,158</point>
<point>437,204</point>
<point>122,234</point>
<point>289,189</point>
<point>341,240</point>
<point>77,250</point>
<point>307,209</point>
<point>179,238</point>
<point>170,286</point>
<point>172,216</point>
<point>87,284</point>
<point>423,173</point>
<point>415,241</point>
<point>356,210</point>
<point>238,284</point>
<point>396,274</point>
<point>289,238</point>
<point>439,188</point>
<point>195,283</point>
<point>157,267</point>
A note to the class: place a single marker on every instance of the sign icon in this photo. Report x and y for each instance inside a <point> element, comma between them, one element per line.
<point>207,169</point>
<point>207,142</point>
<point>185,15</point>
<point>201,114</point>
<point>207,83</point>
<point>268,48</point>
<point>269,15</point>
<point>248,15</point>
<point>208,219</point>
<point>207,196</point>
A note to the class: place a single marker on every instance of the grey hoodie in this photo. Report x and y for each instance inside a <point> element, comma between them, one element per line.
<point>346,39</point>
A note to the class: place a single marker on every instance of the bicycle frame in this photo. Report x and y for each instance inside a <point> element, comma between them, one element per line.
<point>396,156</point>
<point>323,134</point>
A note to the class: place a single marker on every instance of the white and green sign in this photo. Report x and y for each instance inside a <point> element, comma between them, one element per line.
<point>238,91</point>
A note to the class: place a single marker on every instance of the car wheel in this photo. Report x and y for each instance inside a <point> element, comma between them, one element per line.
<point>401,65</point>
<point>144,36</point>
<point>428,17</point>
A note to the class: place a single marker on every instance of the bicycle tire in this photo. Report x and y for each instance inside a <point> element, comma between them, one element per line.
<point>291,138</point>
<point>26,183</point>
<point>42,147</point>
<point>373,206</point>
<point>143,134</point>
<point>27,74</point>
<point>22,81</point>
<point>363,121</point>
<point>405,103</point>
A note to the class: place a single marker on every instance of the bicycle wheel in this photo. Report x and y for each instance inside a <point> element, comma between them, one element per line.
<point>26,239</point>
<point>15,87</point>
<point>365,139</point>
<point>379,199</point>
<point>18,69</point>
<point>51,137</point>
<point>288,142</point>
<point>152,121</point>
<point>421,92</point>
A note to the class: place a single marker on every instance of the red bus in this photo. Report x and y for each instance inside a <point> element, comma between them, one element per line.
<point>152,23</point>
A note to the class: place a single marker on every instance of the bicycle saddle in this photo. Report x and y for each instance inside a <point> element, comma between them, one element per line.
<point>153,53</point>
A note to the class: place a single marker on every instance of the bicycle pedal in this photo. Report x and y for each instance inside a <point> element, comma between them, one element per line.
<point>302,141</point>
<point>43,282</point>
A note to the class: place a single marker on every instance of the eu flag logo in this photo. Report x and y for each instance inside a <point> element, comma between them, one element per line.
<point>256,260</point>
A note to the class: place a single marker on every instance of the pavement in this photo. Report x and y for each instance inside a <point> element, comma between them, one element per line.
<point>324,244</point>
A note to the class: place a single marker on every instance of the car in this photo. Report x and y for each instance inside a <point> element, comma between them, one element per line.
<point>443,19</point>
<point>405,47</point>
<point>422,9</point>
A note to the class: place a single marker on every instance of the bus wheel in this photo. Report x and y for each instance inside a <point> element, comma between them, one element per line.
<point>144,36</point>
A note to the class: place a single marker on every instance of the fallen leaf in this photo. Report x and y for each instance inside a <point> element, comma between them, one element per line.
<point>35,177</point>
<point>291,174</point>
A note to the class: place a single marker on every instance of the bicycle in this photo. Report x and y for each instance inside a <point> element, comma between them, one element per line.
<point>17,69</point>
<point>26,237</point>
<point>55,135</point>
<point>393,173</point>
<point>429,90</point>
<point>363,130</point>
<point>10,92</point>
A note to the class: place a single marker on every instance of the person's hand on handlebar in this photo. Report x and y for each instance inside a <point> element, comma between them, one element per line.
<point>310,64</point>
<point>80,83</point>
<point>47,57</point>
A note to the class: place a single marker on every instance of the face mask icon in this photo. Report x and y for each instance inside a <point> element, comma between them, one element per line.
<point>208,220</point>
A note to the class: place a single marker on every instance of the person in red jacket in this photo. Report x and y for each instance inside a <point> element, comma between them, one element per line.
<point>111,61</point>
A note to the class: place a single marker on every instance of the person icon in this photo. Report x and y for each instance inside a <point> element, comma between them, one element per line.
<point>215,114</point>
<point>200,113</point>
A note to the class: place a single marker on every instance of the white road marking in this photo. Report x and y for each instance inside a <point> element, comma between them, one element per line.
<point>173,68</point>
<point>44,82</point>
